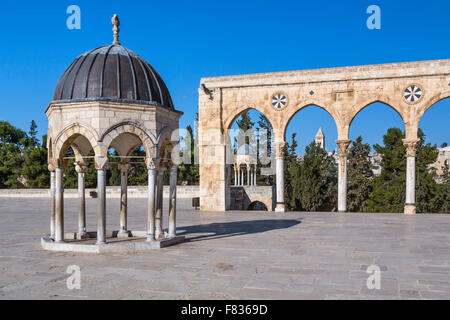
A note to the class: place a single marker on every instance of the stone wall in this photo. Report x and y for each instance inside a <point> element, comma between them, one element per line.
<point>183,192</point>
<point>243,197</point>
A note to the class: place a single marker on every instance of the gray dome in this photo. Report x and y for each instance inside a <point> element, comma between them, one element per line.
<point>112,73</point>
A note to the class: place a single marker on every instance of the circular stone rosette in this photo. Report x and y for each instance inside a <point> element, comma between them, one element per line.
<point>413,94</point>
<point>279,101</point>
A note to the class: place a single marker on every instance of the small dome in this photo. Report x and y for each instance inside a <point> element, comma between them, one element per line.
<point>112,73</point>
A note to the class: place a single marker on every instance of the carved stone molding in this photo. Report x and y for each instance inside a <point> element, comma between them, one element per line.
<point>343,146</point>
<point>124,167</point>
<point>101,163</point>
<point>152,163</point>
<point>280,149</point>
<point>81,167</point>
<point>411,146</point>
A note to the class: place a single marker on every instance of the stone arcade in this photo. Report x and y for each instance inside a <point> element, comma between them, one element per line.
<point>409,88</point>
<point>108,98</point>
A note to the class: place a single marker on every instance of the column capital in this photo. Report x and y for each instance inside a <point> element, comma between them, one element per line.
<point>51,167</point>
<point>152,163</point>
<point>101,163</point>
<point>343,146</point>
<point>411,146</point>
<point>124,166</point>
<point>80,167</point>
<point>280,149</point>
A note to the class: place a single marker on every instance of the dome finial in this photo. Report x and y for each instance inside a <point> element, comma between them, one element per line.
<point>116,23</point>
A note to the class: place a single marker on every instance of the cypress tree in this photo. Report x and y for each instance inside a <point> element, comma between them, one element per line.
<point>359,176</point>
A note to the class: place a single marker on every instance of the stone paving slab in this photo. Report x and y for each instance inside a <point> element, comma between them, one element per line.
<point>232,255</point>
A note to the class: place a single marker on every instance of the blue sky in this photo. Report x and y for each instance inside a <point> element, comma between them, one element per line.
<point>187,40</point>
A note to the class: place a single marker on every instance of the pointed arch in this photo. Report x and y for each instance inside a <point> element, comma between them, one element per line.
<point>431,102</point>
<point>132,129</point>
<point>232,118</point>
<point>294,111</point>
<point>84,133</point>
<point>384,100</point>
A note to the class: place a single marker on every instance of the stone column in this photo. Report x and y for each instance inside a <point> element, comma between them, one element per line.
<point>159,205</point>
<point>81,169</point>
<point>248,175</point>
<point>254,175</point>
<point>342,175</point>
<point>52,203</point>
<point>173,202</point>
<point>124,168</point>
<point>280,176</point>
<point>101,166</point>
<point>411,148</point>
<point>152,173</point>
<point>239,175</point>
<point>59,205</point>
<point>235,176</point>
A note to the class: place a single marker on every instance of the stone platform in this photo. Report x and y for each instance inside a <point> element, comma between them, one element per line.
<point>136,242</point>
<point>231,255</point>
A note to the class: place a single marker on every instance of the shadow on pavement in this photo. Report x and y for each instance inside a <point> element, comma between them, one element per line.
<point>235,228</point>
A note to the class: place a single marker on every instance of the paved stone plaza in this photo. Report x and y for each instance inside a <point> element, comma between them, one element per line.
<point>232,255</point>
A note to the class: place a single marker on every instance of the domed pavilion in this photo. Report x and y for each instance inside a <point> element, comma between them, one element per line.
<point>110,97</point>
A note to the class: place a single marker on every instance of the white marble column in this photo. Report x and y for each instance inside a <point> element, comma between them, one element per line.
<point>101,166</point>
<point>52,204</point>
<point>59,205</point>
<point>81,171</point>
<point>342,175</point>
<point>248,175</point>
<point>173,202</point>
<point>254,175</point>
<point>124,169</point>
<point>235,176</point>
<point>159,205</point>
<point>411,149</point>
<point>280,176</point>
<point>101,206</point>
<point>152,174</point>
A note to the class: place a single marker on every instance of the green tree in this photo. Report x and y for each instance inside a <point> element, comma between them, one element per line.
<point>318,180</point>
<point>359,176</point>
<point>426,186</point>
<point>441,201</point>
<point>189,172</point>
<point>35,167</point>
<point>245,122</point>
<point>292,176</point>
<point>113,174</point>
<point>32,135</point>
<point>264,150</point>
<point>12,144</point>
<point>388,193</point>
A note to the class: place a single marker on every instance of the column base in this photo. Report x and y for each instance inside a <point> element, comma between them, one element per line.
<point>82,235</point>
<point>124,234</point>
<point>410,209</point>
<point>158,235</point>
<point>280,208</point>
<point>342,211</point>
